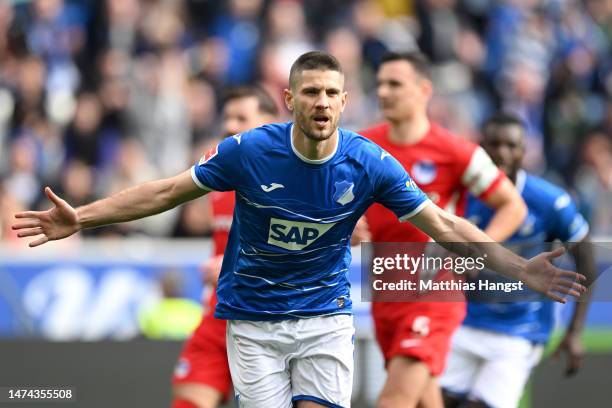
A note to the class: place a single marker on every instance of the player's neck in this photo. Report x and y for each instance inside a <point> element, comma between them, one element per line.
<point>517,176</point>
<point>309,149</point>
<point>410,131</point>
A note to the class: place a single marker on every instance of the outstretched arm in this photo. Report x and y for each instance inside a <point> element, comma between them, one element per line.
<point>571,344</point>
<point>461,237</point>
<point>141,201</point>
<point>510,211</point>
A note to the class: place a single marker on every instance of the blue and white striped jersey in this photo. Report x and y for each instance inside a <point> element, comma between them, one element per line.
<point>551,216</point>
<point>289,247</point>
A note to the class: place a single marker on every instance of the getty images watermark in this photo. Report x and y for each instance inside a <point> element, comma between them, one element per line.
<point>430,265</point>
<point>426,272</point>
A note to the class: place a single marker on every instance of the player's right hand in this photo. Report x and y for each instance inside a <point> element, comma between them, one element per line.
<point>59,222</point>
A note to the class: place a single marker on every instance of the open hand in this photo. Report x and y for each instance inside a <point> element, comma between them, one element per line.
<point>59,222</point>
<point>571,345</point>
<point>541,275</point>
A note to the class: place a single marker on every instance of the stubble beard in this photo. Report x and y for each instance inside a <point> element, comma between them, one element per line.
<point>315,134</point>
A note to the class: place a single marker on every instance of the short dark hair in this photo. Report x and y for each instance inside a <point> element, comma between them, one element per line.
<point>418,61</point>
<point>265,101</point>
<point>503,119</point>
<point>313,60</point>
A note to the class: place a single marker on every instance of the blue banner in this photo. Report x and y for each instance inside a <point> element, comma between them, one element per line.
<point>98,292</point>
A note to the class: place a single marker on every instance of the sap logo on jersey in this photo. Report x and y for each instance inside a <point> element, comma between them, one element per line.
<point>295,235</point>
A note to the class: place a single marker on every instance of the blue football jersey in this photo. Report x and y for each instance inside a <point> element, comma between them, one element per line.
<point>551,216</point>
<point>288,252</point>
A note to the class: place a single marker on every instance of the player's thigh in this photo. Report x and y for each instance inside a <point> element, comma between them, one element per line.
<point>322,371</point>
<point>462,364</point>
<point>258,367</point>
<point>202,396</point>
<point>432,395</point>
<point>501,380</point>
<point>309,404</point>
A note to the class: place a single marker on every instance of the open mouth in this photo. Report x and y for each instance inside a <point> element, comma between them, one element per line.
<point>321,120</point>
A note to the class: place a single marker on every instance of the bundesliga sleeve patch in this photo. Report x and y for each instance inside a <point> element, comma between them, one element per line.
<point>209,154</point>
<point>411,185</point>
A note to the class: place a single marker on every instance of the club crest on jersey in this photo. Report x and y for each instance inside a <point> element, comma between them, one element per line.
<point>182,368</point>
<point>295,235</point>
<point>209,155</point>
<point>424,171</point>
<point>343,192</point>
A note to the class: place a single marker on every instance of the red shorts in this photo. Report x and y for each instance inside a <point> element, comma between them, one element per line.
<point>204,356</point>
<point>418,330</point>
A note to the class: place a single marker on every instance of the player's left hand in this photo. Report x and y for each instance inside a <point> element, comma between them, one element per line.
<point>542,276</point>
<point>571,345</point>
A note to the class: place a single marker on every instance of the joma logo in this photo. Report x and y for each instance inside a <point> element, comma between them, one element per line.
<point>295,235</point>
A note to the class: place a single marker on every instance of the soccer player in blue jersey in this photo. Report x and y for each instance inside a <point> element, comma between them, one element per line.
<point>300,188</point>
<point>501,340</point>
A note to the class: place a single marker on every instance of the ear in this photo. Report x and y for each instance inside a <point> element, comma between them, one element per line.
<point>344,98</point>
<point>288,97</point>
<point>427,88</point>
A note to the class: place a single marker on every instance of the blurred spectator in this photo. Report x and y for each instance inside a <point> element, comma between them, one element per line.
<point>238,29</point>
<point>359,82</point>
<point>21,181</point>
<point>86,139</point>
<point>77,183</point>
<point>287,30</point>
<point>173,317</point>
<point>158,110</point>
<point>202,106</point>
<point>98,81</point>
<point>56,33</point>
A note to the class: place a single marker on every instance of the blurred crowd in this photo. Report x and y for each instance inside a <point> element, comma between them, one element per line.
<point>96,96</point>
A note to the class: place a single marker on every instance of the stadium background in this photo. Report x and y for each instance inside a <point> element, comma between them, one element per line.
<point>99,95</point>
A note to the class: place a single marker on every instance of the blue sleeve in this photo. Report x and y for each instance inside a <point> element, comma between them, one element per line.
<point>219,168</point>
<point>568,225</point>
<point>394,188</point>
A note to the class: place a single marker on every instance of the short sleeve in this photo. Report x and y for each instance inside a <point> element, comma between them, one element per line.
<point>569,225</point>
<point>218,169</point>
<point>394,189</point>
<point>481,176</point>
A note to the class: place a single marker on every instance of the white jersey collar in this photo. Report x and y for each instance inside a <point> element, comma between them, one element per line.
<point>313,161</point>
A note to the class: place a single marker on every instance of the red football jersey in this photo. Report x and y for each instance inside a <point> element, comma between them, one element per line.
<point>222,204</point>
<point>444,166</point>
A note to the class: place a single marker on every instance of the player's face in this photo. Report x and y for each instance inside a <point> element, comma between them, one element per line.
<point>401,91</point>
<point>504,144</point>
<point>317,99</point>
<point>242,114</point>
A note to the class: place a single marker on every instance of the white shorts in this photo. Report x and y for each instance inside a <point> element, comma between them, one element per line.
<point>489,367</point>
<point>275,363</point>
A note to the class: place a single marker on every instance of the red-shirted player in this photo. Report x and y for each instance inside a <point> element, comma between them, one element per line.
<point>414,336</point>
<point>202,378</point>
